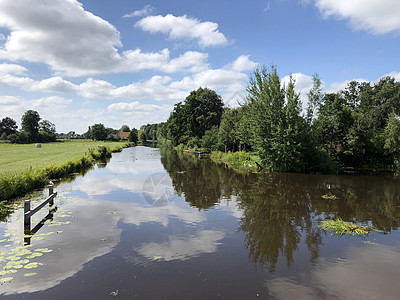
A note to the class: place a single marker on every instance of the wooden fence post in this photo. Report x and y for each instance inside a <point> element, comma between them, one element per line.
<point>27,209</point>
<point>51,202</point>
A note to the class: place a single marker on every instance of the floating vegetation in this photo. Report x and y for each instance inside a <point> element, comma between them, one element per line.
<point>30,274</point>
<point>370,243</point>
<point>329,196</point>
<point>116,213</point>
<point>341,227</point>
<point>31,265</point>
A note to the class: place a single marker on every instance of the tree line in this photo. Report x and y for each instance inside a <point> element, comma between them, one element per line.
<point>36,130</point>
<point>33,129</point>
<point>358,127</point>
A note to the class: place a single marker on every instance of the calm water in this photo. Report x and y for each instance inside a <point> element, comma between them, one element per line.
<point>155,225</point>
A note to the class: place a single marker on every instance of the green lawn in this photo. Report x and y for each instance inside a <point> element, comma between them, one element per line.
<point>15,158</point>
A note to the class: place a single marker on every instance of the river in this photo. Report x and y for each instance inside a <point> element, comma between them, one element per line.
<point>153,224</point>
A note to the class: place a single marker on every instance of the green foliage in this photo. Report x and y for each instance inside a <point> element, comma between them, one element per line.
<point>133,135</point>
<point>240,161</point>
<point>340,227</point>
<point>274,114</point>
<point>201,111</point>
<point>98,132</point>
<point>125,128</point>
<point>30,124</point>
<point>209,140</point>
<point>8,126</point>
<point>17,184</point>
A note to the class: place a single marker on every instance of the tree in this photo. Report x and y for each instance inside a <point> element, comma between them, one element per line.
<point>315,97</point>
<point>274,117</point>
<point>8,126</point>
<point>142,135</point>
<point>30,124</point>
<point>125,128</point>
<point>201,111</point>
<point>133,135</point>
<point>392,141</point>
<point>47,131</point>
<point>98,132</point>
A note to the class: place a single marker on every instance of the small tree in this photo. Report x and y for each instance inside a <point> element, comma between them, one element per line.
<point>133,135</point>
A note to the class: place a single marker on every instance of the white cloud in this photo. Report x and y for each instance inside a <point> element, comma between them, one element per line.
<point>6,69</point>
<point>374,16</point>
<point>206,33</point>
<point>135,106</point>
<point>50,108</point>
<point>136,60</point>
<point>395,75</point>
<point>340,86</point>
<point>243,63</point>
<point>74,42</point>
<point>61,34</point>
<point>147,10</point>
<point>177,248</point>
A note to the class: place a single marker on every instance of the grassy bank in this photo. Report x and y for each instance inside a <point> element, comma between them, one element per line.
<point>62,159</point>
<point>239,161</point>
<point>17,158</point>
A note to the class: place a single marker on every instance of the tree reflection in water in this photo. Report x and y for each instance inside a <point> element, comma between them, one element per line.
<point>281,208</point>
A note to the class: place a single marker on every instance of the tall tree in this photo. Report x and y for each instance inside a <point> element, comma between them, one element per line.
<point>8,126</point>
<point>98,132</point>
<point>201,110</point>
<point>133,135</point>
<point>274,112</point>
<point>30,124</point>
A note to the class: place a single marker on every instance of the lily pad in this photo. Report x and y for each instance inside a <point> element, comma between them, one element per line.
<point>30,274</point>
<point>32,265</point>
<point>44,250</point>
<point>6,279</point>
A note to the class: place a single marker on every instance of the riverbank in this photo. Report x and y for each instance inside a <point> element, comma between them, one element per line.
<point>243,162</point>
<point>17,183</point>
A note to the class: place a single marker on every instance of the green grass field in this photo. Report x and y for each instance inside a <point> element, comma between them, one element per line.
<point>16,158</point>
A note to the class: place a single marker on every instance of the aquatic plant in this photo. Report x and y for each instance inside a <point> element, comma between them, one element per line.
<point>340,227</point>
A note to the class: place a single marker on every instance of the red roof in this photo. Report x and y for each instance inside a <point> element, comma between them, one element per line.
<point>123,135</point>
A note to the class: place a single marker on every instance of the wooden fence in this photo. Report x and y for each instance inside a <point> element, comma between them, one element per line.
<point>28,213</point>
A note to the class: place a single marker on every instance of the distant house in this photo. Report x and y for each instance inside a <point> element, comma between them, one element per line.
<point>123,135</point>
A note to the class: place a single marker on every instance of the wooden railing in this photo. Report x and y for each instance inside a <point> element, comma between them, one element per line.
<point>28,212</point>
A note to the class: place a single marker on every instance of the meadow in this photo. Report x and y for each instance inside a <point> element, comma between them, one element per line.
<point>15,158</point>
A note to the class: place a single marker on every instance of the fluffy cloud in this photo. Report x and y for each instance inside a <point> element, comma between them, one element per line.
<point>6,69</point>
<point>50,108</point>
<point>61,34</point>
<point>243,63</point>
<point>147,10</point>
<point>137,106</point>
<point>75,42</point>
<point>375,16</point>
<point>176,248</point>
<point>206,33</point>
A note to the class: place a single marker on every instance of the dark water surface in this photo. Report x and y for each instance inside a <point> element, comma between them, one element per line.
<point>157,225</point>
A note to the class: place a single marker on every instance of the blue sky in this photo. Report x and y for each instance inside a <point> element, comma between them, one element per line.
<point>128,62</point>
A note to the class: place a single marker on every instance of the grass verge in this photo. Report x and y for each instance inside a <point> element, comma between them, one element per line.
<point>15,184</point>
<point>240,161</point>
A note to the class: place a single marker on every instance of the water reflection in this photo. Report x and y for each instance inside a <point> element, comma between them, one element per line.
<point>277,209</point>
<point>213,228</point>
